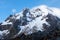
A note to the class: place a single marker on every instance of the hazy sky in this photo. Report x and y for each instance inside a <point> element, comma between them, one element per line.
<point>7,7</point>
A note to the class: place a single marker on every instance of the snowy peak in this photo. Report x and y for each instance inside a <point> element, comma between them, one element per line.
<point>28,21</point>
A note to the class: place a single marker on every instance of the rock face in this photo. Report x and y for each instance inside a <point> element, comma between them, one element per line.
<point>38,23</point>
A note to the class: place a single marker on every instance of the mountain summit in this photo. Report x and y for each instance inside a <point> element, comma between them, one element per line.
<point>41,21</point>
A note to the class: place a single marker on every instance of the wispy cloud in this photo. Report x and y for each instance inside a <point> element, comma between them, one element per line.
<point>14,11</point>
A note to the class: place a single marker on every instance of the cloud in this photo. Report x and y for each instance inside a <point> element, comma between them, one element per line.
<point>14,11</point>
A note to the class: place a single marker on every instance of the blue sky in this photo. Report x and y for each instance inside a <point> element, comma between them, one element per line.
<point>7,7</point>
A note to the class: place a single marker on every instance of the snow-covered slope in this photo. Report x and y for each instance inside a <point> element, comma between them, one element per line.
<point>28,21</point>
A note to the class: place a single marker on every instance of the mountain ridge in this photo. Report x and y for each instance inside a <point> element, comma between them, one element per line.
<point>29,21</point>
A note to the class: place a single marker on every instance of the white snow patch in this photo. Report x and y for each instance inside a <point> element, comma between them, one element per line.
<point>5,23</point>
<point>4,32</point>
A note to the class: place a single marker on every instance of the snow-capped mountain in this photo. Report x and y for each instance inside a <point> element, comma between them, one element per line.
<point>28,21</point>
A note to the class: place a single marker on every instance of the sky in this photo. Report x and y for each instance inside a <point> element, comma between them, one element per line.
<point>8,7</point>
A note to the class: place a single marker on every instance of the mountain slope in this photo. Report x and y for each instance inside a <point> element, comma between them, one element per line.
<point>40,20</point>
